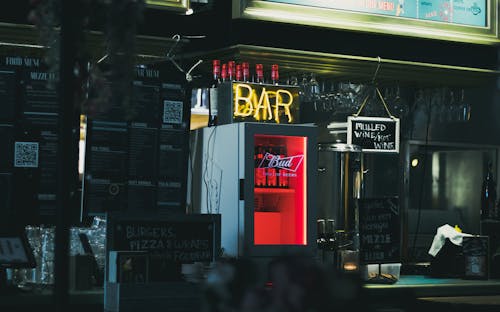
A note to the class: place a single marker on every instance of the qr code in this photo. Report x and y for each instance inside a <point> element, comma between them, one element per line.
<point>172,112</point>
<point>26,154</point>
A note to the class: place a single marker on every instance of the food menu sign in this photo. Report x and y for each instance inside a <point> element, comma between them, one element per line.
<point>180,238</point>
<point>463,12</point>
<point>139,163</point>
<point>379,230</point>
<point>29,139</point>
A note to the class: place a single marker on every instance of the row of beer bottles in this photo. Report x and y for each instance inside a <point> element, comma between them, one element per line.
<point>266,174</point>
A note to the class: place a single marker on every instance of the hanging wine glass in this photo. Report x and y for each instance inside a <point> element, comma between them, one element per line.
<point>465,108</point>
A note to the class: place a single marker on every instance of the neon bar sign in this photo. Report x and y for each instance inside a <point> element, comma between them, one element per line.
<point>265,103</point>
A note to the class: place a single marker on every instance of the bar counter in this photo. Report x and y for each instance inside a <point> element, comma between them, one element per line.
<point>424,286</point>
<point>421,293</point>
<point>409,293</point>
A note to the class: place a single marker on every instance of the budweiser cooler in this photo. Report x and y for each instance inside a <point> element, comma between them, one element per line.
<point>261,178</point>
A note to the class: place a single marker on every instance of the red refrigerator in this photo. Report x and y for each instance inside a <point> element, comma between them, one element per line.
<point>261,178</point>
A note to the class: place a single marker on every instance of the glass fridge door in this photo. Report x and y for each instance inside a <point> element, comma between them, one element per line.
<point>280,190</point>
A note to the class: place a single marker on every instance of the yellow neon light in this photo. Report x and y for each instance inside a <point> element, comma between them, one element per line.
<point>265,106</point>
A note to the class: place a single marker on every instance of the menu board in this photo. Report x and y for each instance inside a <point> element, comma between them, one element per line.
<point>379,230</point>
<point>105,166</point>
<point>29,137</point>
<point>463,12</point>
<point>139,163</point>
<point>180,238</point>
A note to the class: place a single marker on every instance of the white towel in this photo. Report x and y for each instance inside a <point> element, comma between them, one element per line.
<point>443,232</point>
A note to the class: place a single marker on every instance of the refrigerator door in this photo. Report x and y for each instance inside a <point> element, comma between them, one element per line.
<point>280,170</point>
<point>261,178</point>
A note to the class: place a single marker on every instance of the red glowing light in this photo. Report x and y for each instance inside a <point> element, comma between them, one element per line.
<point>280,216</point>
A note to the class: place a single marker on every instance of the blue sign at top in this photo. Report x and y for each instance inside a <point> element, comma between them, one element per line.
<point>462,12</point>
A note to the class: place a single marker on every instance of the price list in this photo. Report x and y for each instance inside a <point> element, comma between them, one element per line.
<point>379,230</point>
<point>105,166</point>
<point>153,150</point>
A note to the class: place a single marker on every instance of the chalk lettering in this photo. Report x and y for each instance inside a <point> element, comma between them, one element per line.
<point>379,226</point>
<point>146,244</point>
<point>370,127</point>
<point>384,145</point>
<point>132,231</point>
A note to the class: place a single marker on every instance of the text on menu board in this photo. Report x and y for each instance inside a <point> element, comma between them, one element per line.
<point>374,134</point>
<point>379,230</point>
<point>186,240</point>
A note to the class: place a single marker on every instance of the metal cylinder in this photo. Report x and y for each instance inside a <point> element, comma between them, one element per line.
<point>340,184</point>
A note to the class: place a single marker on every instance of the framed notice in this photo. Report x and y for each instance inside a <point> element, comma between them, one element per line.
<point>379,230</point>
<point>374,134</point>
<point>469,21</point>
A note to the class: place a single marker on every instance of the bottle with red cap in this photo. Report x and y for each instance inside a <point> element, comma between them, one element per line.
<point>212,100</point>
<point>259,72</point>
<point>239,73</point>
<point>245,68</point>
<point>275,74</point>
<point>223,72</point>
<point>231,70</point>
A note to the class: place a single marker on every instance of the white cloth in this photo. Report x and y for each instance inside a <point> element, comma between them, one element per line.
<point>443,232</point>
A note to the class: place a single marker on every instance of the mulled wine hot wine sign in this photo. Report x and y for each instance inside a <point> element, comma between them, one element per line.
<point>374,134</point>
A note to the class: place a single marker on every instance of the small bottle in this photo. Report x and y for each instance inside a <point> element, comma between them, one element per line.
<point>231,70</point>
<point>275,74</point>
<point>245,68</point>
<point>271,177</point>
<point>282,173</point>
<point>212,98</point>
<point>223,72</point>
<point>239,72</point>
<point>259,173</point>
<point>488,194</point>
<point>259,72</point>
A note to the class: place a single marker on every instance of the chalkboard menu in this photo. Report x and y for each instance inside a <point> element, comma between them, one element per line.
<point>379,230</point>
<point>137,161</point>
<point>374,134</point>
<point>179,238</point>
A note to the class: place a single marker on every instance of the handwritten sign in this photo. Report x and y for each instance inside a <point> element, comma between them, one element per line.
<point>379,230</point>
<point>179,238</point>
<point>374,134</point>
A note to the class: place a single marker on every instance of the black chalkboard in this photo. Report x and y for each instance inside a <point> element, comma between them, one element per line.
<point>379,230</point>
<point>374,134</point>
<point>178,238</point>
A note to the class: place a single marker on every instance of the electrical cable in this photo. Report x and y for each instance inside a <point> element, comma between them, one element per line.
<point>205,171</point>
<point>424,168</point>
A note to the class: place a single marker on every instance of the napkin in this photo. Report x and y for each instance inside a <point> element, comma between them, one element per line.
<point>443,232</point>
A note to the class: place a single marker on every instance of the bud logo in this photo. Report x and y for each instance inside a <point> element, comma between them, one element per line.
<point>291,163</point>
